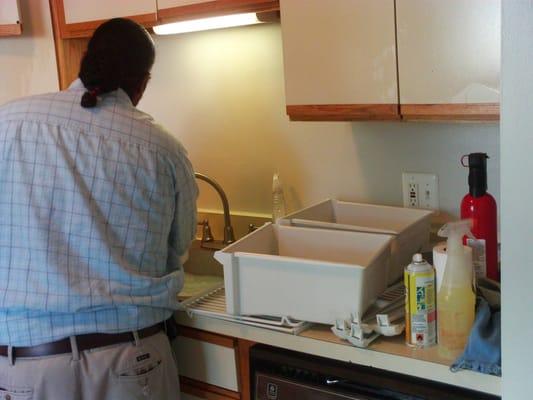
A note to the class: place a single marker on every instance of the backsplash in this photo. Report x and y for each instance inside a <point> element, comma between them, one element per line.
<point>221,93</point>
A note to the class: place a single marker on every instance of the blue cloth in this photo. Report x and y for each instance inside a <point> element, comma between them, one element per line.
<point>96,207</point>
<point>483,349</point>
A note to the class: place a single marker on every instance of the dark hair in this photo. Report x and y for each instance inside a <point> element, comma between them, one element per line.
<point>119,55</point>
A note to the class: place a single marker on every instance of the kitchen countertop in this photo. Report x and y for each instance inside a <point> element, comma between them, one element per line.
<point>390,354</point>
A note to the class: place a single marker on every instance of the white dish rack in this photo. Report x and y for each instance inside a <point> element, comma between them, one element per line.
<point>408,226</point>
<point>385,317</point>
<point>306,274</point>
<point>212,303</point>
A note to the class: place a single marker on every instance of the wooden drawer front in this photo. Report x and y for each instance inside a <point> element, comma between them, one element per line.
<point>206,362</point>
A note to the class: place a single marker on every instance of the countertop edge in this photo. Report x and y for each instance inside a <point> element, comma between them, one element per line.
<point>390,362</point>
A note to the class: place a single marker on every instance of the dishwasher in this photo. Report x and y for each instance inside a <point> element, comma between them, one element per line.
<point>278,374</point>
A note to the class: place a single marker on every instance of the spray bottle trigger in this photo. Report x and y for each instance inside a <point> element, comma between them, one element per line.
<point>460,227</point>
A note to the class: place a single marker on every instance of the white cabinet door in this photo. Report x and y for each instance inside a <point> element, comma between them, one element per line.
<point>10,23</point>
<point>448,52</point>
<point>177,10</point>
<point>83,10</point>
<point>162,4</point>
<point>206,362</point>
<point>339,58</point>
<point>9,12</point>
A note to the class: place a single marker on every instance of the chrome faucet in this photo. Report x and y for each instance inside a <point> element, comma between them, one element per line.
<point>229,237</point>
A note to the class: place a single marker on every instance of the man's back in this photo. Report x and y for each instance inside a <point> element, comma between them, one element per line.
<point>89,203</point>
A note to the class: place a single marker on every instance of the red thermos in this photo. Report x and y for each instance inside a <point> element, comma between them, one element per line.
<point>480,207</point>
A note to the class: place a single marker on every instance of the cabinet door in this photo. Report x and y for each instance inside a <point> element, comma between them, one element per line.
<point>176,10</point>
<point>79,18</point>
<point>10,18</point>
<point>339,59</point>
<point>449,58</point>
<point>207,358</point>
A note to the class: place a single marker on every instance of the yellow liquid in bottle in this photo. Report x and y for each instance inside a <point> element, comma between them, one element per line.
<point>455,317</point>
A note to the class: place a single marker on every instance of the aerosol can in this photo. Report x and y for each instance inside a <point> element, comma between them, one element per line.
<point>420,314</point>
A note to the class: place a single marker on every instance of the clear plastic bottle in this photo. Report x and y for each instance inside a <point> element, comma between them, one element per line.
<point>278,199</point>
<point>456,299</point>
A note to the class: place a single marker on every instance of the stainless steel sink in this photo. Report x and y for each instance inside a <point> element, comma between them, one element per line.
<point>202,271</point>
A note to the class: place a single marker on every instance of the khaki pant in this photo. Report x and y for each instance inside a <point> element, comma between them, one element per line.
<point>145,370</point>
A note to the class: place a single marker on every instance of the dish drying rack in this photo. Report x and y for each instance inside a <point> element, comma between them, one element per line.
<point>385,317</point>
<point>212,303</point>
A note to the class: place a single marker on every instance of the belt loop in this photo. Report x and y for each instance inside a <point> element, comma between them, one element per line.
<point>10,356</point>
<point>136,338</point>
<point>74,348</point>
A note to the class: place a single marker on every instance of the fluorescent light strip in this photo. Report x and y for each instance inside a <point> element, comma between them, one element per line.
<point>205,24</point>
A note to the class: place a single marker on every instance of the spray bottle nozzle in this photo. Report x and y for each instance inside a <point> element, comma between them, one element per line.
<point>455,231</point>
<point>460,228</point>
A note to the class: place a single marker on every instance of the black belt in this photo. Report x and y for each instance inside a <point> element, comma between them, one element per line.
<point>84,342</point>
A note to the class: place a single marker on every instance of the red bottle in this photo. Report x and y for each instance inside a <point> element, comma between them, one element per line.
<point>480,207</point>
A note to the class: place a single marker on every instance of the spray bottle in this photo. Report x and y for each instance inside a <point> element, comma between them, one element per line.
<point>456,299</point>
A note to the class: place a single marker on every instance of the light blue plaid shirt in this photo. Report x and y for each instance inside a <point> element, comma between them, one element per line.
<point>96,206</point>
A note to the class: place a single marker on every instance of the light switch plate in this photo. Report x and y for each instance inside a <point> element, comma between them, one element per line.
<point>420,190</point>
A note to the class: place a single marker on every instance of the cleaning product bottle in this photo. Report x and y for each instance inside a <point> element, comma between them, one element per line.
<point>278,199</point>
<point>480,207</point>
<point>456,300</point>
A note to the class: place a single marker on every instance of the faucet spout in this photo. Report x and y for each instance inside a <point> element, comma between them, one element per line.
<point>229,237</point>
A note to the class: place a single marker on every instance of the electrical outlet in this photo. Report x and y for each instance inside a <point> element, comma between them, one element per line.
<point>412,193</point>
<point>420,190</point>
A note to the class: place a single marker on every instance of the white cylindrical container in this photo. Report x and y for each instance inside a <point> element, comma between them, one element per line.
<point>439,262</point>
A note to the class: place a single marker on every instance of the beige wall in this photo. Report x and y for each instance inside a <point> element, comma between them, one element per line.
<point>28,62</point>
<point>222,94</point>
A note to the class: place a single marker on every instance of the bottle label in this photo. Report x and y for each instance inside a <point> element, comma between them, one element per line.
<point>420,308</point>
<point>479,256</point>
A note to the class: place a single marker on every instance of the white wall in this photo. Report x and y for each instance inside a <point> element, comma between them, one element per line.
<point>222,94</point>
<point>517,198</point>
<point>28,62</point>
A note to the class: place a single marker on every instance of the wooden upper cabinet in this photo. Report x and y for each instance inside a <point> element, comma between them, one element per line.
<point>10,24</point>
<point>449,59</point>
<point>339,59</point>
<point>79,18</point>
<point>176,10</point>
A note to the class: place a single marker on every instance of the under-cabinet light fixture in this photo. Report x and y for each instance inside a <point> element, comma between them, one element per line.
<point>204,24</point>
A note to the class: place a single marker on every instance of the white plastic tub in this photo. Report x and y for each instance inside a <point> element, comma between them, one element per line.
<point>410,227</point>
<point>306,274</point>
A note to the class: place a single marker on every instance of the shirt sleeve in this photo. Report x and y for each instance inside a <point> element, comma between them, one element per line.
<point>183,229</point>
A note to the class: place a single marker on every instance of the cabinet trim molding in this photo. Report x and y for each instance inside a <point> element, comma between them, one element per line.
<point>86,29</point>
<point>10,30</point>
<point>206,390</point>
<point>215,8</point>
<point>243,368</point>
<point>343,112</point>
<point>451,112</point>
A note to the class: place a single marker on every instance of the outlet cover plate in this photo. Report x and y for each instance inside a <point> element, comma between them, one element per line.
<point>420,190</point>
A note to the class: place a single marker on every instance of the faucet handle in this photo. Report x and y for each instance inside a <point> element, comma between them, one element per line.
<point>251,228</point>
<point>207,236</point>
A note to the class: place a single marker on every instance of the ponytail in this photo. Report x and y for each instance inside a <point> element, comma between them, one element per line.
<point>89,98</point>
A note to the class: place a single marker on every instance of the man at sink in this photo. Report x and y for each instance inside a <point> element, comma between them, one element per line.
<point>98,203</point>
